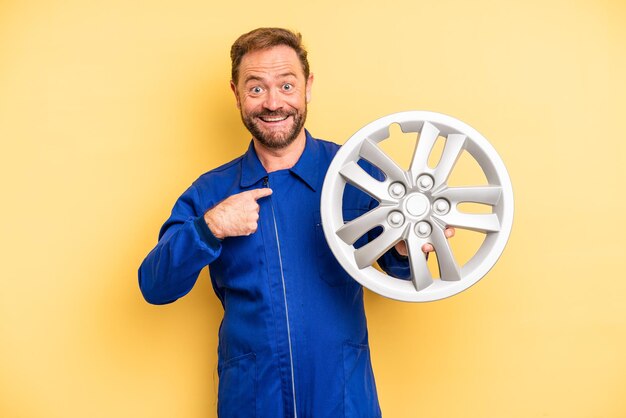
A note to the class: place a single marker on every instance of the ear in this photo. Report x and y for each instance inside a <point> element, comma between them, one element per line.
<point>309,85</point>
<point>233,87</point>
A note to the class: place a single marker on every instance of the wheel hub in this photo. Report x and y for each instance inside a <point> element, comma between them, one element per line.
<point>416,205</point>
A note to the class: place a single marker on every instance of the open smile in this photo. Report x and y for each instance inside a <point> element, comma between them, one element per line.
<point>273,119</point>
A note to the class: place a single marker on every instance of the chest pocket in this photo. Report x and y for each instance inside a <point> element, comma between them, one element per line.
<point>329,268</point>
<point>239,263</point>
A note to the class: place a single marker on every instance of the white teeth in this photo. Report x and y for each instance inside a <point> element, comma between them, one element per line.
<point>274,119</point>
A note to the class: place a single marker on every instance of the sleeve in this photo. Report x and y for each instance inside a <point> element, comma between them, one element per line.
<point>186,245</point>
<point>395,265</point>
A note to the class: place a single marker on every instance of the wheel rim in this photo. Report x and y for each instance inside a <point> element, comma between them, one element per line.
<point>416,205</point>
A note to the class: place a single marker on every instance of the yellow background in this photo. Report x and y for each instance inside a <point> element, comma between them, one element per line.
<point>110,109</point>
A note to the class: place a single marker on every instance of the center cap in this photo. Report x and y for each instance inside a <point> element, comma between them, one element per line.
<point>417,204</point>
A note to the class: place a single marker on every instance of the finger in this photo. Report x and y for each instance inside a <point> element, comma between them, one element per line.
<point>259,193</point>
<point>251,206</point>
<point>449,232</point>
<point>401,248</point>
<point>427,248</point>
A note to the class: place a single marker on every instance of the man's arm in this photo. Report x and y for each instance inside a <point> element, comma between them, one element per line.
<point>185,247</point>
<point>189,241</point>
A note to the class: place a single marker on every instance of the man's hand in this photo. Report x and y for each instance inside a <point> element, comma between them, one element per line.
<point>402,250</point>
<point>237,215</point>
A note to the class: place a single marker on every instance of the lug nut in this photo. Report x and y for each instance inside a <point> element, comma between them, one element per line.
<point>441,207</point>
<point>395,219</point>
<point>397,190</point>
<point>425,182</point>
<point>423,229</point>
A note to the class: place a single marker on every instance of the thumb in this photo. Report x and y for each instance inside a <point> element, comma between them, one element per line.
<point>259,193</point>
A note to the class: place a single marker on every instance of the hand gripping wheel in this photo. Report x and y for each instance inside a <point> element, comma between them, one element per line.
<point>416,206</point>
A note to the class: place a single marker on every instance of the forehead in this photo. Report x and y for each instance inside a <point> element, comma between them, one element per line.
<point>270,63</point>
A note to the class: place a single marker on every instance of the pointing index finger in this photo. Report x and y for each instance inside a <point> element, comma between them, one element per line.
<point>259,193</point>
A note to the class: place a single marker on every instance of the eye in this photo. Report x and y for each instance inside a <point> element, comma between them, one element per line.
<point>256,90</point>
<point>287,86</point>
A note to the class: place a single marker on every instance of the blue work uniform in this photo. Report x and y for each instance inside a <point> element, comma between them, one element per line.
<point>293,341</point>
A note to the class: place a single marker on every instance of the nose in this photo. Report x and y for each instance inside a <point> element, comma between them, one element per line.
<point>272,100</point>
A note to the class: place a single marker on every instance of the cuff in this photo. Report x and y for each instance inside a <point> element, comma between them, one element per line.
<point>205,234</point>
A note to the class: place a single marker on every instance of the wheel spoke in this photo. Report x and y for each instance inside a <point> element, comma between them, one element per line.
<point>479,222</point>
<point>420,275</point>
<point>486,195</point>
<point>451,153</point>
<point>356,228</point>
<point>372,153</point>
<point>448,267</point>
<point>370,252</point>
<point>423,148</point>
<point>358,177</point>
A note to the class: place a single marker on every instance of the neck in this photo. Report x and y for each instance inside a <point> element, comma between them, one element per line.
<point>280,159</point>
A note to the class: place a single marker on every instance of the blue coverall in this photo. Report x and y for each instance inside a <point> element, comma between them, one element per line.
<point>293,340</point>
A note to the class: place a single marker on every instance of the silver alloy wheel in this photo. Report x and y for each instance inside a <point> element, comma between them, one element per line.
<point>416,206</point>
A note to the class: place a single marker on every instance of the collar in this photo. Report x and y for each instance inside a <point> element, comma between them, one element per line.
<point>306,169</point>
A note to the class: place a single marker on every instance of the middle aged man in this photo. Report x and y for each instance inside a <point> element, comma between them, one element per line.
<point>293,340</point>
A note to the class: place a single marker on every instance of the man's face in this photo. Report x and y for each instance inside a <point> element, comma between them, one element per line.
<point>272,95</point>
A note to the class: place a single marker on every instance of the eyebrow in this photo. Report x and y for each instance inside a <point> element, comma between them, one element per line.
<point>253,78</point>
<point>257,78</point>
<point>290,73</point>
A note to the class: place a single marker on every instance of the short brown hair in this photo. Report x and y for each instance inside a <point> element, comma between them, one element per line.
<point>263,38</point>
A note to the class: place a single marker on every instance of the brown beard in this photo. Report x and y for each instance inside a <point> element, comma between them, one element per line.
<point>274,140</point>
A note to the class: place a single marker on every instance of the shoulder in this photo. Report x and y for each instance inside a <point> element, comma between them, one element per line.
<point>327,146</point>
<point>326,149</point>
<point>218,183</point>
<point>231,169</point>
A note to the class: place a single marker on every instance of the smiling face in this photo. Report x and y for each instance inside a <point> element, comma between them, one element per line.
<point>272,95</point>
